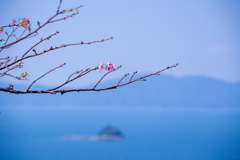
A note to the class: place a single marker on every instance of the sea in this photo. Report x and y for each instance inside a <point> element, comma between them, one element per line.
<point>36,133</point>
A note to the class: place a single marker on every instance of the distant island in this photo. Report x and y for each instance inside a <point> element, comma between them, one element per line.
<point>107,133</point>
<point>110,132</point>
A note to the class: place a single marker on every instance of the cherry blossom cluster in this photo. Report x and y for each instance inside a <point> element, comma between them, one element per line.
<point>107,66</point>
<point>24,75</point>
<point>23,22</point>
<point>13,22</point>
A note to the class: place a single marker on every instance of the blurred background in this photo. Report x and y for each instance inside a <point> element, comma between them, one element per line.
<point>188,112</point>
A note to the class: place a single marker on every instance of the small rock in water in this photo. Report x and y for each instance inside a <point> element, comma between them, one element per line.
<point>110,132</point>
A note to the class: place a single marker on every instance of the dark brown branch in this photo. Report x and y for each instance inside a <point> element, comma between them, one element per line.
<point>11,76</point>
<point>64,11</point>
<point>51,48</point>
<point>40,42</point>
<point>132,76</point>
<point>80,75</point>
<point>6,74</point>
<point>9,69</point>
<point>22,33</point>
<point>38,24</point>
<point>72,75</point>
<point>59,6</point>
<point>122,78</point>
<point>14,35</point>
<point>4,58</point>
<point>29,28</point>
<point>7,34</point>
<point>9,37</point>
<point>71,9</point>
<point>10,25</point>
<point>44,75</point>
<point>6,66</point>
<point>53,91</point>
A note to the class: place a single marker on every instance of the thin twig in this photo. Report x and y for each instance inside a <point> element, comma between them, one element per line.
<point>4,58</point>
<point>8,37</point>
<point>4,74</point>
<point>44,75</point>
<point>80,75</point>
<point>22,33</point>
<point>40,42</point>
<point>105,75</point>
<point>122,78</point>
<point>38,24</point>
<point>59,6</point>
<point>132,76</point>
<point>14,36</point>
<point>65,17</point>
<point>72,75</point>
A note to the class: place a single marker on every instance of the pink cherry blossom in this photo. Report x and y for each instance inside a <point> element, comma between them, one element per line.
<point>110,66</point>
<point>101,66</point>
<point>13,22</point>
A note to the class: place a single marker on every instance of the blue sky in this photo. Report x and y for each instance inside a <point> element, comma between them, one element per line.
<point>202,36</point>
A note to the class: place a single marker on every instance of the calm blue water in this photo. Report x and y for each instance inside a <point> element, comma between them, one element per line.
<point>151,134</point>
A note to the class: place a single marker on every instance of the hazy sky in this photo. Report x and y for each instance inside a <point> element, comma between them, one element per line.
<point>202,36</point>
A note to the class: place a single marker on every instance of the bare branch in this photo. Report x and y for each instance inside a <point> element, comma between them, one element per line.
<point>14,36</point>
<point>122,78</point>
<point>53,91</point>
<point>64,17</point>
<point>10,76</point>
<point>44,75</point>
<point>80,75</point>
<point>8,37</point>
<point>132,76</point>
<point>40,42</point>
<point>22,33</point>
<point>4,58</point>
<point>38,24</point>
<point>59,6</point>
<point>73,74</point>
